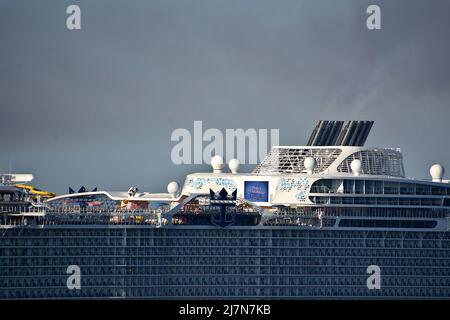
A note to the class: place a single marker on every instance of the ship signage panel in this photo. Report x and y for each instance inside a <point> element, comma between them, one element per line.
<point>256,191</point>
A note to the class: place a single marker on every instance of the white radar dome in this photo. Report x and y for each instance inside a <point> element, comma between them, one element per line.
<point>173,188</point>
<point>217,164</point>
<point>437,172</point>
<point>234,165</point>
<point>356,167</point>
<point>309,164</point>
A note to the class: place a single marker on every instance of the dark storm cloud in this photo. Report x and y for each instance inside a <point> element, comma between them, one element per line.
<point>409,57</point>
<point>97,106</point>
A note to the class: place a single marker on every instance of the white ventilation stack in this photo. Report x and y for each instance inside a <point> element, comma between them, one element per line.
<point>310,164</point>
<point>217,164</point>
<point>356,167</point>
<point>437,172</point>
<point>172,188</point>
<point>233,164</point>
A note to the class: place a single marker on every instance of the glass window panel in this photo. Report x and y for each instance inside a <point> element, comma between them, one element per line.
<point>422,189</point>
<point>438,191</point>
<point>348,186</point>
<point>370,185</point>
<point>390,188</point>
<point>378,187</point>
<point>407,188</point>
<point>359,186</point>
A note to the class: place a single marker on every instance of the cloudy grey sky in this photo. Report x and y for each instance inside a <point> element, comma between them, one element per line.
<point>97,106</point>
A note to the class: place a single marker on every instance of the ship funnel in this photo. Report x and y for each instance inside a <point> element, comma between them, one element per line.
<point>340,133</point>
<point>437,172</point>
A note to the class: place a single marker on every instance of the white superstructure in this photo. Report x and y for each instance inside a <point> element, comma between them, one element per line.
<point>288,178</point>
<point>346,179</point>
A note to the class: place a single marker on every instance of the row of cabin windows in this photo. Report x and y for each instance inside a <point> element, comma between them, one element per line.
<point>13,208</point>
<point>372,223</point>
<point>12,197</point>
<point>376,187</point>
<point>386,212</point>
<point>172,236</point>
<point>367,212</point>
<point>394,201</point>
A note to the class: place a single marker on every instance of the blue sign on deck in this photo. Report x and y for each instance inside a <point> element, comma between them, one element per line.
<point>256,191</point>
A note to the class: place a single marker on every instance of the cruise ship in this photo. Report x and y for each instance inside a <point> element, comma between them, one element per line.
<point>333,219</point>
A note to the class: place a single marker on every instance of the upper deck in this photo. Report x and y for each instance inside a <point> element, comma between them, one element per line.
<point>334,160</point>
<point>315,185</point>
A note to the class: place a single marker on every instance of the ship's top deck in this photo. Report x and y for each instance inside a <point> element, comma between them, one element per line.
<point>333,145</point>
<point>333,160</point>
<point>120,195</point>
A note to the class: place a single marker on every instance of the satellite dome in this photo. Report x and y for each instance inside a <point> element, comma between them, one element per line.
<point>309,164</point>
<point>234,165</point>
<point>173,188</point>
<point>217,164</point>
<point>437,172</point>
<point>356,167</point>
